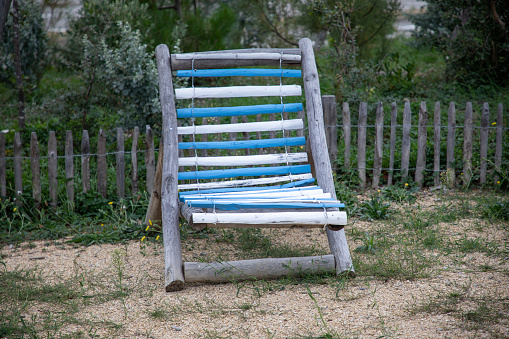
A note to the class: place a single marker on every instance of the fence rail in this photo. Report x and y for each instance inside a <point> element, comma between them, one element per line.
<point>384,136</point>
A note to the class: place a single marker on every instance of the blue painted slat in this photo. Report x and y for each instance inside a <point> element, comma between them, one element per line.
<point>237,110</point>
<point>261,72</point>
<point>238,189</point>
<point>244,172</point>
<point>228,206</point>
<point>299,183</point>
<point>264,143</point>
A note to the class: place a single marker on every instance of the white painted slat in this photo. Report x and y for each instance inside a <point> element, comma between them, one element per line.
<point>297,218</point>
<point>317,193</point>
<point>238,91</point>
<point>255,192</point>
<point>239,56</point>
<point>245,160</point>
<point>247,182</point>
<point>263,126</point>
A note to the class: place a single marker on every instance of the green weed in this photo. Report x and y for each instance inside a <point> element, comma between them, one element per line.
<point>375,209</point>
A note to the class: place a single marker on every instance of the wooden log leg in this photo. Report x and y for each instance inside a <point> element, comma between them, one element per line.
<point>154,213</point>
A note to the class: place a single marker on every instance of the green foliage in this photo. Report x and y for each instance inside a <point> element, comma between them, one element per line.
<point>399,194</point>
<point>496,210</point>
<point>375,209</point>
<point>369,244</point>
<point>472,35</point>
<point>32,44</point>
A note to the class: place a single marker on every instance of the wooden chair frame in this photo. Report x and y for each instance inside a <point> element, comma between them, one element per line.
<point>165,195</point>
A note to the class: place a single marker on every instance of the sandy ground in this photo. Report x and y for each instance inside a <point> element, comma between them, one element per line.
<point>363,308</point>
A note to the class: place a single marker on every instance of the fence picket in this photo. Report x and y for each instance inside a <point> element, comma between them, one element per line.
<point>85,161</point>
<point>405,142</point>
<point>330,117</point>
<point>120,163</point>
<point>468,141</point>
<point>36,170</point>
<point>134,161</point>
<point>18,174</point>
<point>379,144</point>
<point>437,121</point>
<point>361,143</point>
<point>3,172</point>
<point>102,187</point>
<point>392,152</point>
<point>485,119</point>
<point>499,141</point>
<point>150,159</point>
<point>52,169</point>
<point>69,166</point>
<point>451,141</point>
<point>422,137</point>
<point>347,134</point>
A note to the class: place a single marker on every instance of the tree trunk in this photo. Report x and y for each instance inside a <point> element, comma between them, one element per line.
<point>17,65</point>
<point>5,6</point>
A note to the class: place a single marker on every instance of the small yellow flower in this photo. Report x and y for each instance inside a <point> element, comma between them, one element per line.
<point>14,210</point>
<point>378,191</point>
<point>150,222</point>
<point>498,182</point>
<point>493,123</point>
<point>157,238</point>
<point>406,184</point>
<point>110,203</point>
<point>143,238</point>
<point>146,229</point>
<point>461,173</point>
<point>102,225</point>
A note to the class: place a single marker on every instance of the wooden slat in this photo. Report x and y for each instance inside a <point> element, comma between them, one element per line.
<point>361,143</point>
<point>330,116</point>
<point>295,218</point>
<point>36,170</point>
<point>280,142</point>
<point>394,122</point>
<point>178,64</point>
<point>263,126</point>
<point>257,269</point>
<point>451,142</point>
<point>347,134</point>
<point>85,161</point>
<point>499,141</point>
<point>3,172</point>
<point>322,166</point>
<point>405,142</point>
<point>150,158</point>
<point>18,169</point>
<point>247,182</point>
<point>208,112</point>
<point>485,121</point>
<point>261,195</point>
<point>468,141</point>
<point>238,56</point>
<point>245,72</point>
<point>436,142</point>
<point>422,137</point>
<point>120,159</point>
<point>52,169</point>
<point>69,167</point>
<point>237,92</point>
<point>174,273</point>
<point>299,185</point>
<point>379,140</point>
<point>244,172</point>
<point>102,187</point>
<point>252,192</point>
<point>134,161</point>
<point>245,160</point>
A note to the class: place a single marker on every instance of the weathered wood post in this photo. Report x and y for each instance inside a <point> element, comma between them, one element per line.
<point>394,122</point>
<point>468,140</point>
<point>85,161</point>
<point>422,137</point>
<point>36,170</point>
<point>337,239</point>
<point>347,133</point>
<point>485,120</point>
<point>436,144</point>
<point>379,143</point>
<point>52,169</point>
<point>405,142</point>
<point>134,161</point>
<point>451,141</point>
<point>150,158</point>
<point>330,115</point>
<point>18,175</point>
<point>120,159</point>
<point>69,168</point>
<point>3,176</point>
<point>102,187</point>
<point>174,272</point>
<point>361,143</point>
<point>498,140</point>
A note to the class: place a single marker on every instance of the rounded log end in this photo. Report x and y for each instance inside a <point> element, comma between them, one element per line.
<point>176,285</point>
<point>336,227</point>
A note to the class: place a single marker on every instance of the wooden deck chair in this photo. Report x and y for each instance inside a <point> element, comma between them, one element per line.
<point>243,184</point>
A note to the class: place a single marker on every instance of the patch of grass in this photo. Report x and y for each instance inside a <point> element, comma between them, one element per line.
<point>400,194</point>
<point>375,209</point>
<point>369,244</point>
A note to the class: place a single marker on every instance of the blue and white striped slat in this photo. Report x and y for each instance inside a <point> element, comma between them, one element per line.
<point>237,185</point>
<point>237,110</point>
<point>263,143</point>
<point>281,192</point>
<point>267,203</point>
<point>262,126</point>
<point>238,92</point>
<point>246,190</point>
<point>244,172</point>
<point>232,72</point>
<point>245,160</point>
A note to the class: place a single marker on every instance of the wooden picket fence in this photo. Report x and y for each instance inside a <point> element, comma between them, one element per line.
<point>331,118</point>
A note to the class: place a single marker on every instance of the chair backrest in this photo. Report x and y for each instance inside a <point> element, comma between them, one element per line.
<point>269,117</point>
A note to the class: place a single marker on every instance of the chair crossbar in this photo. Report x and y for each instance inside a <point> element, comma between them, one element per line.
<point>289,219</point>
<point>244,172</point>
<point>237,185</point>
<point>263,126</point>
<point>239,144</point>
<point>238,92</point>
<point>248,72</point>
<point>236,205</point>
<point>244,160</point>
<point>238,56</point>
<point>208,112</point>
<point>246,190</point>
<point>268,194</point>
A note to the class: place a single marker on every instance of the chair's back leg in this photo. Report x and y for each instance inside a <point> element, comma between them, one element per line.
<point>324,178</point>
